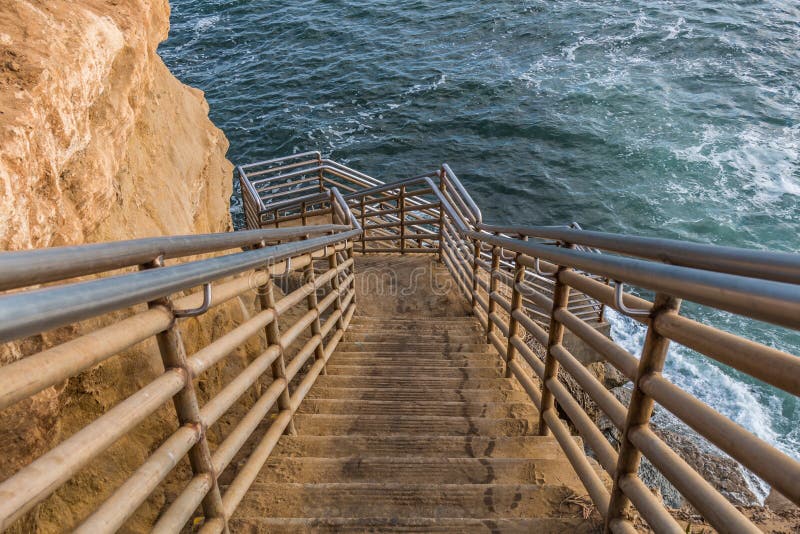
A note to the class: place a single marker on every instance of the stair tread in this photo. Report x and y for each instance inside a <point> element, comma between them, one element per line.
<point>402,394</point>
<point>418,445</point>
<point>367,499</point>
<point>325,424</point>
<point>420,407</point>
<point>418,470</point>
<point>540,525</point>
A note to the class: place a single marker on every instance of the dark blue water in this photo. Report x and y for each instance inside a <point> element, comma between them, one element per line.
<point>676,119</point>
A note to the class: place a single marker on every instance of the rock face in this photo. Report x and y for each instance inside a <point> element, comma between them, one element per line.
<point>99,142</point>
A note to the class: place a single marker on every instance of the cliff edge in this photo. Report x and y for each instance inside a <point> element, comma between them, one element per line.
<point>98,141</point>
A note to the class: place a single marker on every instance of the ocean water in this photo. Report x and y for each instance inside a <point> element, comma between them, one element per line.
<point>678,119</point>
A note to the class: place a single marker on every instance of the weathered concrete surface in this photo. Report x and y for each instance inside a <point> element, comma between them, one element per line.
<point>414,428</point>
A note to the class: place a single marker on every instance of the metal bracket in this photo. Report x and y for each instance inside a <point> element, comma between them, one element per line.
<point>620,305</point>
<point>288,266</point>
<point>539,271</point>
<point>194,312</point>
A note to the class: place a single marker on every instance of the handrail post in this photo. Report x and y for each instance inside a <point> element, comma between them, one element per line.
<point>266,298</point>
<point>187,408</point>
<point>321,173</point>
<point>475,257</point>
<point>516,305</point>
<point>554,337</point>
<point>640,409</point>
<point>401,205</point>
<point>311,300</point>
<point>492,305</point>
<point>443,189</point>
<point>363,225</point>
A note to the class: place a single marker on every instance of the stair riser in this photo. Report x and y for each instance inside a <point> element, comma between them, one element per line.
<point>406,395</point>
<point>419,446</point>
<point>421,525</point>
<point>420,408</point>
<point>372,346</point>
<point>431,384</point>
<point>411,370</point>
<point>393,361</point>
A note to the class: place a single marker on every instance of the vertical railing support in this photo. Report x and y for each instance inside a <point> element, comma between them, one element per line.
<point>321,174</point>
<point>333,263</point>
<point>266,297</point>
<point>173,355</point>
<point>363,225</point>
<point>554,337</point>
<point>313,305</point>
<point>490,303</point>
<point>443,189</point>
<point>401,205</point>
<point>475,257</point>
<point>640,409</point>
<point>516,305</point>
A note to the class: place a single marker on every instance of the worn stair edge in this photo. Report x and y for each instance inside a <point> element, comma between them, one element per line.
<point>420,470</point>
<point>479,501</point>
<point>544,525</point>
<point>338,425</point>
<point>432,384</point>
<point>421,407</point>
<point>413,394</point>
<point>420,445</point>
<point>413,370</point>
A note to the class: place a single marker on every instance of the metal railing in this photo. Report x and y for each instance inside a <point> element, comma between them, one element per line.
<point>404,216</point>
<point>759,285</point>
<point>326,304</point>
<point>522,283</point>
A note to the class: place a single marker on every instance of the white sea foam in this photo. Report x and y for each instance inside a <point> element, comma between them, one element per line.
<point>763,158</point>
<point>742,402</point>
<point>206,23</point>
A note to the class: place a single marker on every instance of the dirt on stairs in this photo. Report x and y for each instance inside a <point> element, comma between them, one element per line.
<point>414,429</point>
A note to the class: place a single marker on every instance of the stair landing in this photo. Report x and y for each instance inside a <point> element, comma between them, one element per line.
<point>414,429</point>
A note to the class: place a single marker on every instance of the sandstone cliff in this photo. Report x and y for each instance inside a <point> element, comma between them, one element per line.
<point>98,142</point>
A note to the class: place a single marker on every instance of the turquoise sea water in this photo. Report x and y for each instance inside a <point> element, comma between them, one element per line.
<point>674,119</point>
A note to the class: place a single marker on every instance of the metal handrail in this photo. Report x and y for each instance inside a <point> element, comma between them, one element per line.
<point>232,275</point>
<point>39,266</point>
<point>777,266</point>
<point>715,280</point>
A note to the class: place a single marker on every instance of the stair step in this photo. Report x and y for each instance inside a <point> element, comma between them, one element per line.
<point>413,336</point>
<point>540,525</point>
<point>398,346</point>
<point>459,360</point>
<point>412,370</point>
<point>392,499</point>
<point>423,406</point>
<point>418,470</point>
<point>342,425</point>
<point>413,394</point>
<point>434,384</point>
<point>418,355</point>
<point>423,445</point>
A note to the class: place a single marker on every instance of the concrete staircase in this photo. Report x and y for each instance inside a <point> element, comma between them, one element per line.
<point>414,429</point>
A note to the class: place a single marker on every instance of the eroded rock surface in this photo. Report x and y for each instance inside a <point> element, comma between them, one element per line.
<point>98,142</point>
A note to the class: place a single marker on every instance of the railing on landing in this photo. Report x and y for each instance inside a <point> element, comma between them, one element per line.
<point>523,283</point>
<point>403,216</point>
